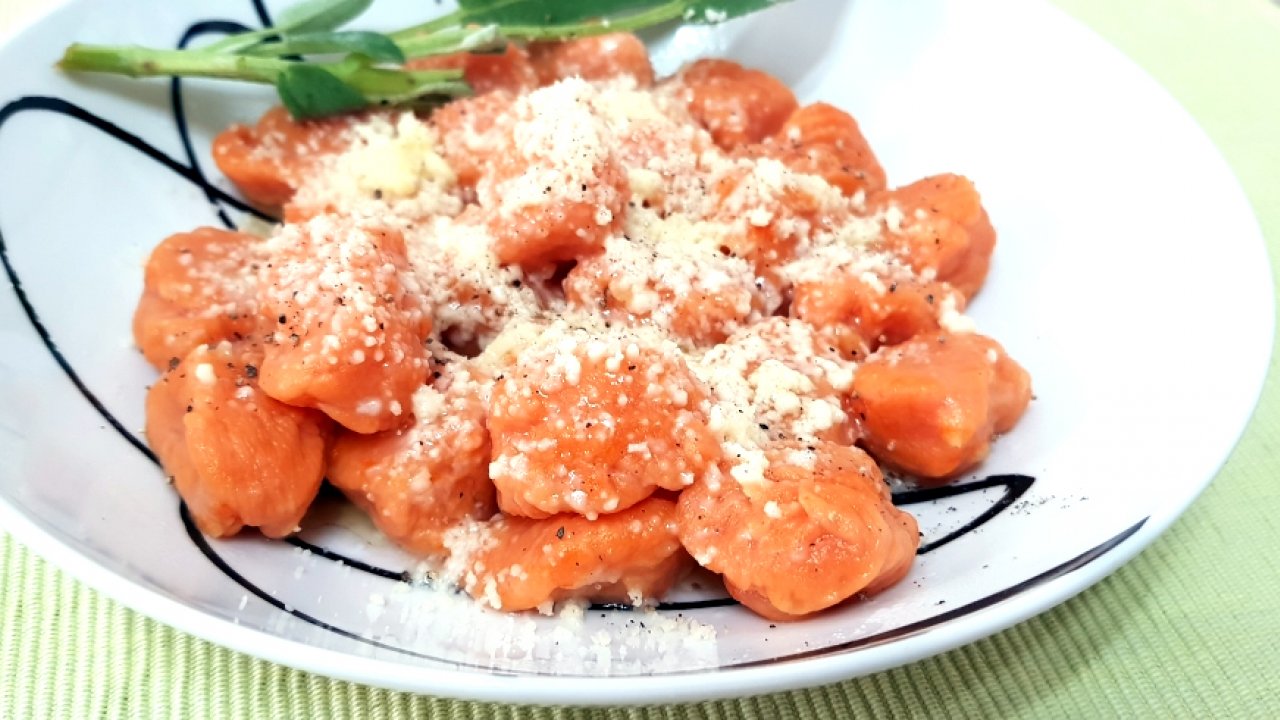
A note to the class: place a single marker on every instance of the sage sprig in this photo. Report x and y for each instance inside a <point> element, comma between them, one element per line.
<point>320,69</point>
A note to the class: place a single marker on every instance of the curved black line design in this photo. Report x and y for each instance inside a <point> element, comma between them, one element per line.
<point>260,8</point>
<point>60,359</point>
<point>179,110</point>
<point>983,603</point>
<point>403,576</point>
<point>202,543</point>
<point>41,103</point>
<point>880,638</point>
<point>59,106</point>
<point>1014,485</point>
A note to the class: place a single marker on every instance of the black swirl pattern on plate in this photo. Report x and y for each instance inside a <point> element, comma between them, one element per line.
<point>1014,486</point>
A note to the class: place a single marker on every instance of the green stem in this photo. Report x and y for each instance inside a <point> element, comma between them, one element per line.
<point>240,41</point>
<point>360,76</point>
<point>381,83</point>
<point>442,89</point>
<point>453,39</point>
<point>145,62</point>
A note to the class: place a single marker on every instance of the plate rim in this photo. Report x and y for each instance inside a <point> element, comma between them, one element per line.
<point>501,686</point>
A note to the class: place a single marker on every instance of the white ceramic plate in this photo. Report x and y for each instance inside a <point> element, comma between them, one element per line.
<point>1130,279</point>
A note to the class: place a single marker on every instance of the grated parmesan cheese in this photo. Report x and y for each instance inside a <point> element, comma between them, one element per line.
<point>951,319</point>
<point>390,168</point>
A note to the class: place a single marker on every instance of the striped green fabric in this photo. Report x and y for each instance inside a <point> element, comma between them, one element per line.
<point>1189,629</point>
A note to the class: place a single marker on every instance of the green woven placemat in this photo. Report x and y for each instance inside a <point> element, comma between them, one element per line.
<point>1188,629</point>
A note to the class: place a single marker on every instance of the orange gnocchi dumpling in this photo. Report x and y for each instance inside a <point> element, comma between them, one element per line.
<point>515,563</point>
<point>594,423</point>
<point>349,330</point>
<point>816,529</point>
<point>871,302</point>
<point>200,287</point>
<point>236,456</point>
<point>418,481</point>
<point>823,140</point>
<point>269,160</point>
<point>939,227</point>
<point>557,189</point>
<point>779,209</point>
<point>599,57</point>
<point>931,406</point>
<point>474,132</point>
<point>738,105</point>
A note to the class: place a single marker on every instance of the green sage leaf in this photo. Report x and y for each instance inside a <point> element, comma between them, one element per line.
<point>716,11</point>
<point>310,16</point>
<point>545,12</point>
<point>308,91</point>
